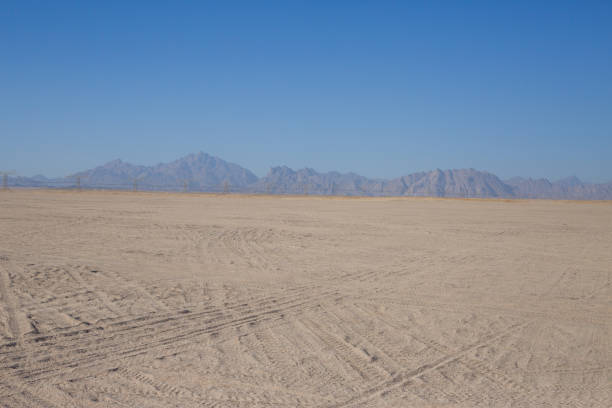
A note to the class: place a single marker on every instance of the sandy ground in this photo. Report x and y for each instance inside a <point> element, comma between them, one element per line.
<point>166,300</point>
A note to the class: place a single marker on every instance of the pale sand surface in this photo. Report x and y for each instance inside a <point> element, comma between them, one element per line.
<point>167,300</point>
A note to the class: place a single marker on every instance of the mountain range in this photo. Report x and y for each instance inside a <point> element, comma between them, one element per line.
<point>203,172</point>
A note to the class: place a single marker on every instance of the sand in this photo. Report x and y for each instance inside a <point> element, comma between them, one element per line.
<point>124,299</point>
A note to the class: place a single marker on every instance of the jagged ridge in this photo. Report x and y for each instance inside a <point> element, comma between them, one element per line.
<point>203,172</point>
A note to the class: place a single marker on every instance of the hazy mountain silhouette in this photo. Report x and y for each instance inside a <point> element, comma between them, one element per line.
<point>455,183</point>
<point>283,180</point>
<point>437,183</point>
<point>203,172</point>
<point>568,188</point>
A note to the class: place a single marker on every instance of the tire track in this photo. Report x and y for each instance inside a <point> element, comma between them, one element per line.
<point>361,340</point>
<point>101,295</point>
<point>124,323</point>
<point>354,357</point>
<point>13,387</point>
<point>9,301</point>
<point>492,375</point>
<point>577,316</point>
<point>186,397</point>
<point>119,347</point>
<point>162,387</point>
<point>403,379</point>
<point>318,375</point>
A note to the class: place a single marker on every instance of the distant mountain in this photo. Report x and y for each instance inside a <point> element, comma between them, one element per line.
<point>283,180</point>
<point>455,183</point>
<point>437,183</point>
<point>203,172</point>
<point>570,188</point>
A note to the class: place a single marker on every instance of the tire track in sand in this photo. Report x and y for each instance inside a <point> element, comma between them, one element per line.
<point>9,300</point>
<point>98,348</point>
<point>402,379</point>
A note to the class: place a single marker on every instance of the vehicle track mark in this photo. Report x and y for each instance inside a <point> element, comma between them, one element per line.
<point>96,348</point>
<point>403,378</point>
<point>9,301</point>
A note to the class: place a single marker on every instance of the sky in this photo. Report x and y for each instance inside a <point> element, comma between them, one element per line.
<point>380,88</point>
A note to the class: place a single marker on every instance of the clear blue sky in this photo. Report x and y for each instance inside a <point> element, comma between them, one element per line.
<point>379,88</point>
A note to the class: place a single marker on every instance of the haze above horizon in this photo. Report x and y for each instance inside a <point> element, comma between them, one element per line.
<point>381,89</point>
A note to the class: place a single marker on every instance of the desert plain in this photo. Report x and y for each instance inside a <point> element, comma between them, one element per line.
<point>121,299</point>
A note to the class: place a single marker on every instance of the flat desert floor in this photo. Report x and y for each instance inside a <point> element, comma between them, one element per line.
<point>119,299</point>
